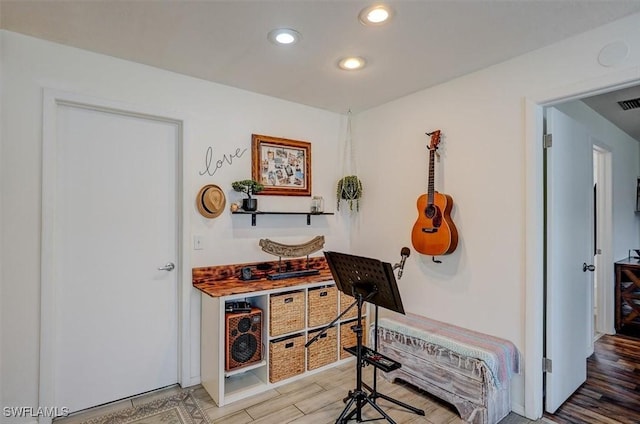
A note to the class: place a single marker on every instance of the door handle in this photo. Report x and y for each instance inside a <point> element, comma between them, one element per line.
<point>168,267</point>
<point>586,267</point>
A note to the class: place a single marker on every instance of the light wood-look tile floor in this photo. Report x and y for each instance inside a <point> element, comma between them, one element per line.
<point>316,399</point>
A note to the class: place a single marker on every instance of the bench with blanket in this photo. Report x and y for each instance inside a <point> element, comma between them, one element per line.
<point>470,370</point>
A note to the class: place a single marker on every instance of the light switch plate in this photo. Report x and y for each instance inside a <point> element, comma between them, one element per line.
<point>198,243</point>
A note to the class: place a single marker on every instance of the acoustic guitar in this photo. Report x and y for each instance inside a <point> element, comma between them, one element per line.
<point>434,233</point>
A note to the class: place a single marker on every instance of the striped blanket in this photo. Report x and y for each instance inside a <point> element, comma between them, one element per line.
<point>500,356</point>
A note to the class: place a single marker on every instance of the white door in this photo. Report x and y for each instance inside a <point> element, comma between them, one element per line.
<point>569,246</point>
<point>115,223</point>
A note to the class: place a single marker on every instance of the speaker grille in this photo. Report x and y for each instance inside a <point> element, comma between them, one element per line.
<point>243,348</point>
<point>243,339</point>
<point>244,325</point>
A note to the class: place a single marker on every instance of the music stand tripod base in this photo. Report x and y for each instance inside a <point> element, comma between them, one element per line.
<point>367,280</point>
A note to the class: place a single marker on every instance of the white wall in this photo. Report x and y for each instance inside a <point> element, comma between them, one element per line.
<point>482,116</point>
<point>625,160</point>
<point>216,115</point>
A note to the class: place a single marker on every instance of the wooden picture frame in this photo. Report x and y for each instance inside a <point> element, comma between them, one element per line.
<point>283,166</point>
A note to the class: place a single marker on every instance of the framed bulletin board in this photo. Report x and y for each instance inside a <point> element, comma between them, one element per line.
<point>283,166</point>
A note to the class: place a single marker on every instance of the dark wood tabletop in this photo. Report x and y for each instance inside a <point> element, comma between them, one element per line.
<point>225,280</point>
<point>635,262</point>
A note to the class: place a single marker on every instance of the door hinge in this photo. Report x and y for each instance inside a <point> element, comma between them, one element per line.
<point>546,365</point>
<point>547,140</point>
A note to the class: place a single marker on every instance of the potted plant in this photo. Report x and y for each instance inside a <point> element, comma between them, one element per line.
<point>248,187</point>
<point>349,189</point>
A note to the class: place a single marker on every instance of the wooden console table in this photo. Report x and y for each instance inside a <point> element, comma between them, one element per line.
<point>627,294</point>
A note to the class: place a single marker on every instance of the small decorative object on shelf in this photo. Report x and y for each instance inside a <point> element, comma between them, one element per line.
<point>317,204</point>
<point>248,187</point>
<point>349,189</point>
<point>292,251</point>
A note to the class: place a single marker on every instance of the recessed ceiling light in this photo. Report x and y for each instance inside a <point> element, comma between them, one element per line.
<point>352,63</point>
<point>375,15</point>
<point>284,36</point>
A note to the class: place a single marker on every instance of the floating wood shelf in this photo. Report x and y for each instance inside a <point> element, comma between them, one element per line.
<point>254,213</point>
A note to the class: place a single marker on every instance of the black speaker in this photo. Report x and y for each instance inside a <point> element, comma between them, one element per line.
<point>243,338</point>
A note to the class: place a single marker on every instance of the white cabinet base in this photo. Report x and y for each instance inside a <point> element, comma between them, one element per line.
<point>226,387</point>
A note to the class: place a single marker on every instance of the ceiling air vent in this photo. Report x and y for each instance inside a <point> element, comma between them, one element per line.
<point>630,104</point>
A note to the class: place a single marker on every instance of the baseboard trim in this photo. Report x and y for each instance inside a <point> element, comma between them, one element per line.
<point>518,409</point>
<point>193,381</point>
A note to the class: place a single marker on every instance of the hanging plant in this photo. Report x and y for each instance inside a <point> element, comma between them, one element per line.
<point>349,189</point>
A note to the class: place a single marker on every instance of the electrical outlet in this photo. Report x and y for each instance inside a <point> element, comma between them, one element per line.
<point>198,243</point>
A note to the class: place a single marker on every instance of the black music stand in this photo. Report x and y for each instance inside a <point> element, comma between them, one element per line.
<point>373,281</point>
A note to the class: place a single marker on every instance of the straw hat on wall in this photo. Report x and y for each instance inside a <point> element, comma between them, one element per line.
<point>211,201</point>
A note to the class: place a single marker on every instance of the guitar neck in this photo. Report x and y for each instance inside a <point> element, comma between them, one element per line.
<point>430,189</point>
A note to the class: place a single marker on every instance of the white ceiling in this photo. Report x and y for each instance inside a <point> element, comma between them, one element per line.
<point>426,43</point>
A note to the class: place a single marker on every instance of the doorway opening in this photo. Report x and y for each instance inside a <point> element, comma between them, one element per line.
<point>535,105</point>
<point>603,258</point>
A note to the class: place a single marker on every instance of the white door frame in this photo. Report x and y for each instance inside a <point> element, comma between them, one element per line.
<point>534,220</point>
<point>51,100</point>
<point>604,261</point>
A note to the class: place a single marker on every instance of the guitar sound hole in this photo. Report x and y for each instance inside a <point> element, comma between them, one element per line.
<point>430,211</point>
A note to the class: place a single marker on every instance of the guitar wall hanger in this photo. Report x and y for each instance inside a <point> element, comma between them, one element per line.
<point>431,134</point>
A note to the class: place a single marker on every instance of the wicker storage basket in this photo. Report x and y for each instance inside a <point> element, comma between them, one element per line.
<point>322,306</point>
<point>286,313</point>
<point>324,350</point>
<point>286,357</point>
<point>348,337</point>
<point>345,302</point>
